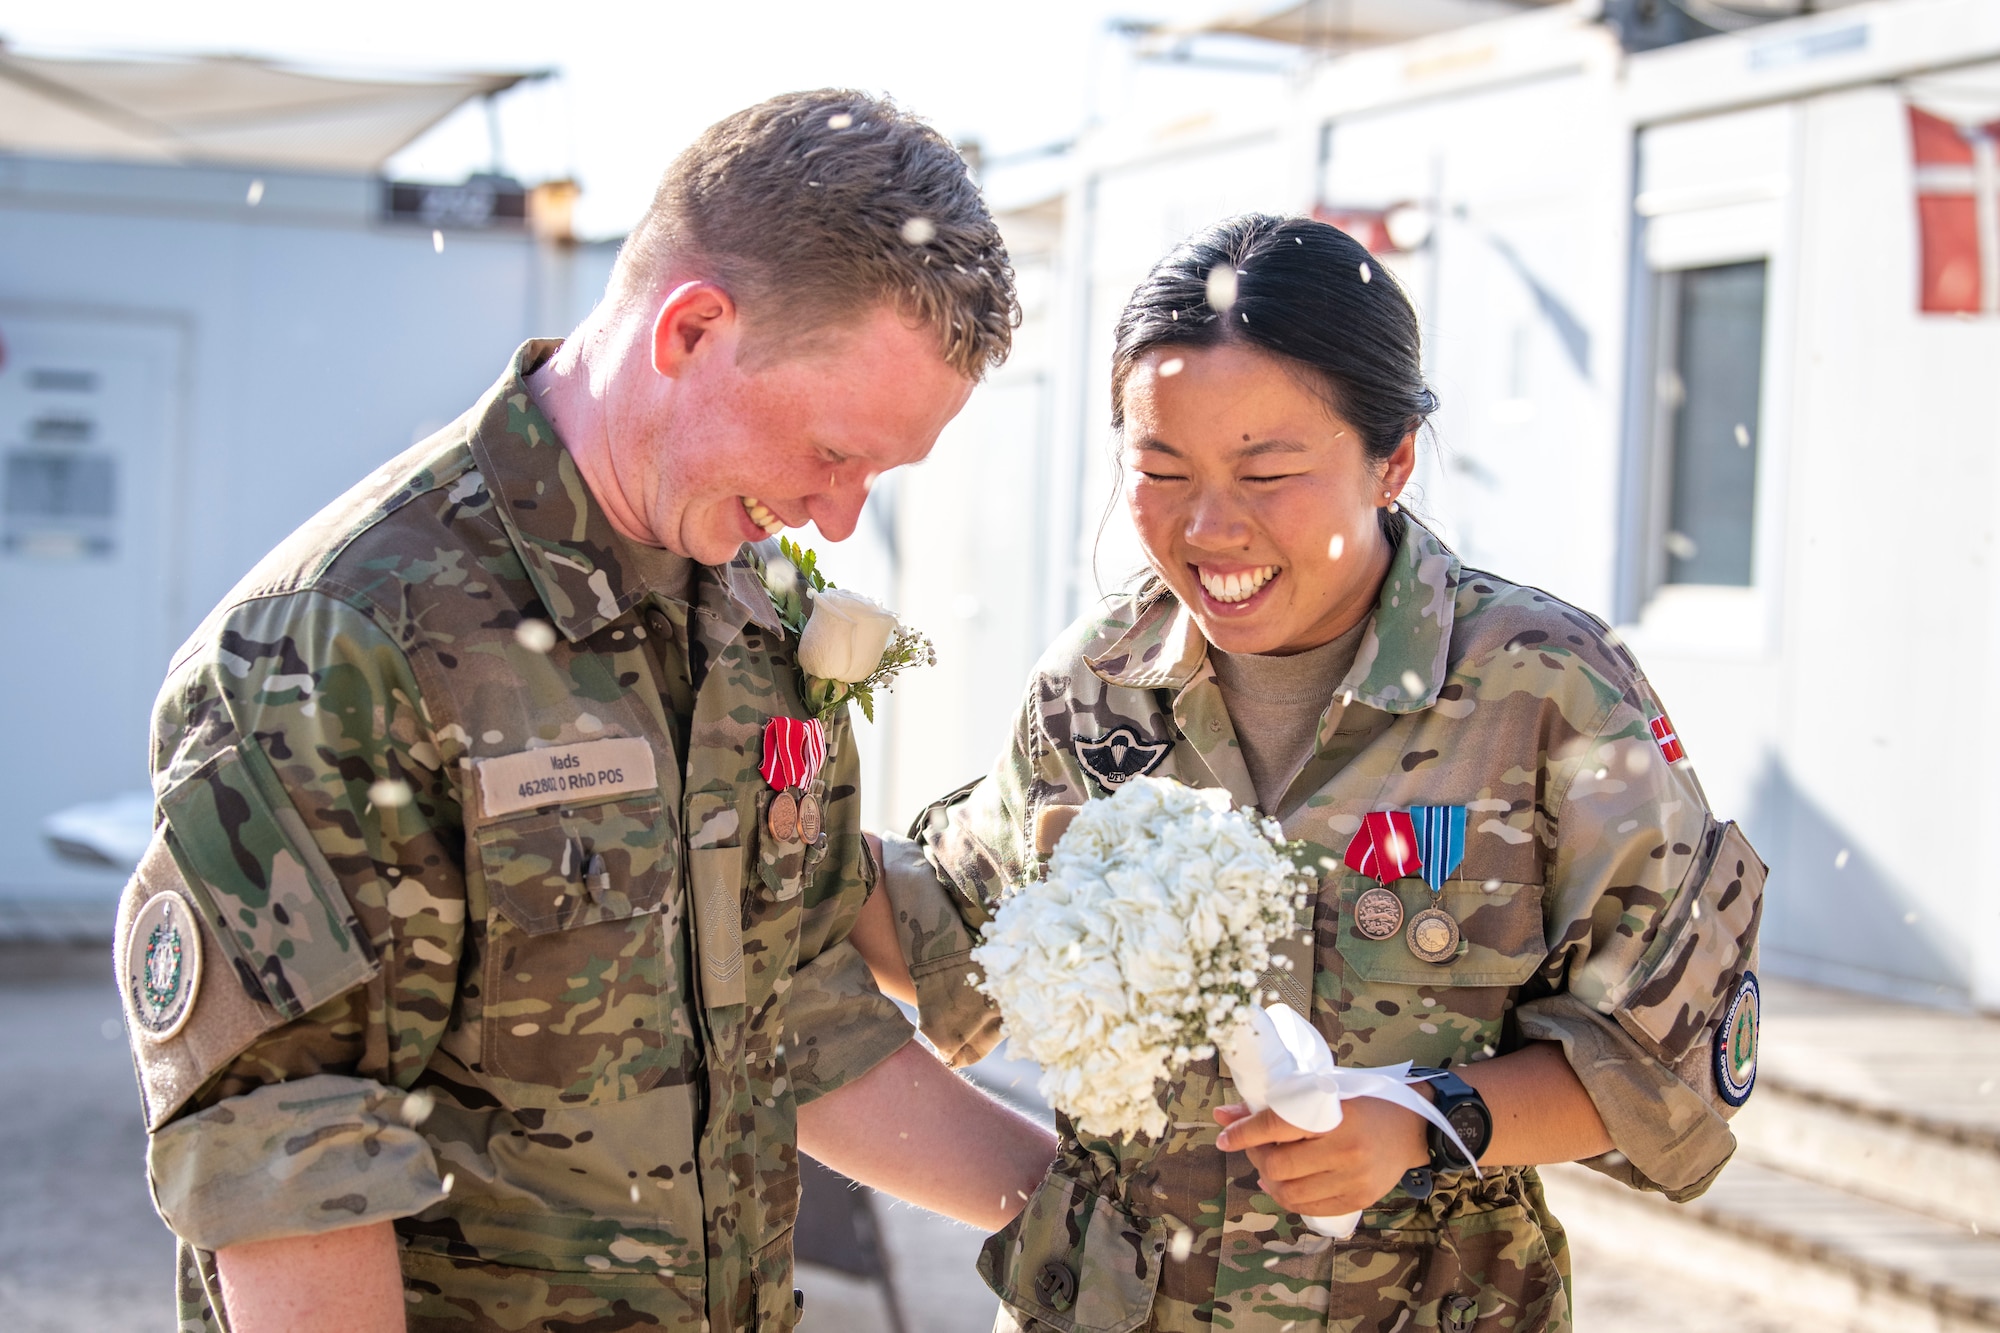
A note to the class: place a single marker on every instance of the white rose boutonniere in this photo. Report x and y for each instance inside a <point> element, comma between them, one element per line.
<point>848,644</point>
<point>845,636</point>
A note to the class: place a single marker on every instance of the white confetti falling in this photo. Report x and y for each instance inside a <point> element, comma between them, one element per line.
<point>1490,886</point>
<point>1840,859</point>
<point>1909,918</point>
<point>919,231</point>
<point>1367,273</point>
<point>447,1182</point>
<point>1172,366</point>
<point>635,1192</point>
<point>417,1107</point>
<point>1681,546</point>
<point>1742,436</point>
<point>437,241</point>
<point>255,194</point>
<point>1413,684</point>
<point>839,120</point>
<point>1337,547</point>
<point>390,793</point>
<point>537,636</point>
<point>1221,288</point>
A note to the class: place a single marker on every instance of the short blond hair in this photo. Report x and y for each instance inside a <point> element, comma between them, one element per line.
<point>812,207</point>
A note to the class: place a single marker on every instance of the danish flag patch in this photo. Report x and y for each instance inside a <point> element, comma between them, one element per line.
<point>1667,739</point>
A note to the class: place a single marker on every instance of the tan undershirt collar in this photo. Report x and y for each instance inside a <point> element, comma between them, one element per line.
<point>1275,704</point>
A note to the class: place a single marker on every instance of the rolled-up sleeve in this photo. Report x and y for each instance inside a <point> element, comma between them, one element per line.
<point>838,1024</point>
<point>291,1159</point>
<point>1655,911</point>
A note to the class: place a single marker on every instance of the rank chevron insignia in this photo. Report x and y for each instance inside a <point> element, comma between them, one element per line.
<point>1120,755</point>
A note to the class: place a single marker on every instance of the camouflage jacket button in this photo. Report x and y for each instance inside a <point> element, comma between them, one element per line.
<point>1460,1313</point>
<point>1056,1285</point>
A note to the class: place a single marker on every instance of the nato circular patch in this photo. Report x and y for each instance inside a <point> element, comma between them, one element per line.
<point>1736,1044</point>
<point>162,966</point>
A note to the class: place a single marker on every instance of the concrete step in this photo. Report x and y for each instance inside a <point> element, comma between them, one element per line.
<point>1842,1262</point>
<point>1943,1170</point>
<point>1891,1102</point>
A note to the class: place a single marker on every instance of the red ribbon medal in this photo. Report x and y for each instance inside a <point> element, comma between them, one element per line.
<point>1385,846</point>
<point>794,750</point>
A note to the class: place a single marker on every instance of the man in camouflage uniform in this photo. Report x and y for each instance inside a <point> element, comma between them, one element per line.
<point>1602,908</point>
<point>464,946</point>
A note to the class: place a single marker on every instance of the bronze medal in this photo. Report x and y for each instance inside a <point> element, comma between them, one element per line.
<point>810,821</point>
<point>1378,914</point>
<point>1433,935</point>
<point>783,817</point>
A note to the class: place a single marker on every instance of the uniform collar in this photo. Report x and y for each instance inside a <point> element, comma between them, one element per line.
<point>1399,667</point>
<point>564,539</point>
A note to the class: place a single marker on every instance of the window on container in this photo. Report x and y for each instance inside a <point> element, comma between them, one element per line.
<point>1710,388</point>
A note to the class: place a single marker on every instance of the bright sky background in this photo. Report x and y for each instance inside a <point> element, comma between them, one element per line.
<point>639,79</point>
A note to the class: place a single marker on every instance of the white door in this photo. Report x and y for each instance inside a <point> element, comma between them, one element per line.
<point>88,425</point>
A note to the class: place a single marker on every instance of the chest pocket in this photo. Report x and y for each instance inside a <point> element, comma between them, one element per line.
<point>1399,1007</point>
<point>580,960</point>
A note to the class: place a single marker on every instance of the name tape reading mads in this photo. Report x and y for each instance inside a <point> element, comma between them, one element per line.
<point>589,770</point>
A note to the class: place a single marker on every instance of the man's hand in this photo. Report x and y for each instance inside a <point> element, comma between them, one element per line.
<point>347,1281</point>
<point>1347,1168</point>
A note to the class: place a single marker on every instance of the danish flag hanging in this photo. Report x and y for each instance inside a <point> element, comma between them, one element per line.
<point>1667,739</point>
<point>1958,214</point>
<point>794,749</point>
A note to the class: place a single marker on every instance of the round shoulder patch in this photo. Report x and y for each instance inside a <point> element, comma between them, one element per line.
<point>162,966</point>
<point>1736,1044</point>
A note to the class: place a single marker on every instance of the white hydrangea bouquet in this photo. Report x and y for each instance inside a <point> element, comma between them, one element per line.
<point>1141,951</point>
<point>1141,948</point>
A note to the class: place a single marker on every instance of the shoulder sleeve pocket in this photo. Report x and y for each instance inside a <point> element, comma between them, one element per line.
<point>262,885</point>
<point>1702,948</point>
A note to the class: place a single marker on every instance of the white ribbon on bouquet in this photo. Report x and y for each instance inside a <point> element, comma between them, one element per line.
<point>1281,1063</point>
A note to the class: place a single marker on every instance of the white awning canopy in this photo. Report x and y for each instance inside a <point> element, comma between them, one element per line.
<point>223,109</point>
<point>1343,24</point>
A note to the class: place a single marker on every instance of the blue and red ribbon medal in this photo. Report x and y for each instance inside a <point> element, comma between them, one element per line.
<point>794,751</point>
<point>1433,933</point>
<point>1385,847</point>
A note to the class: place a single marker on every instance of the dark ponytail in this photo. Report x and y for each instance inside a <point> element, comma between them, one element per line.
<point>1304,290</point>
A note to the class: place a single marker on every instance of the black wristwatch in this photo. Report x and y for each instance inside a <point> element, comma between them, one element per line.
<point>1462,1106</point>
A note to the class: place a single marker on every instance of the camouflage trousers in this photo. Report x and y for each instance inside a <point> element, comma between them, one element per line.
<point>1481,1256</point>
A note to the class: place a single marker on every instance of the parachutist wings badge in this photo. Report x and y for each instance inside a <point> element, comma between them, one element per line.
<point>1119,755</point>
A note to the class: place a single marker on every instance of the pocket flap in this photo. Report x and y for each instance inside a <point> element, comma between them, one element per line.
<point>557,869</point>
<point>1502,938</point>
<point>1075,1262</point>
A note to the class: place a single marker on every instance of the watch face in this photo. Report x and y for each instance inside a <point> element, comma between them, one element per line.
<point>1469,1119</point>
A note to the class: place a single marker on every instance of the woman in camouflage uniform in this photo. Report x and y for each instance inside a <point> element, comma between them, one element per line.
<point>1577,944</point>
